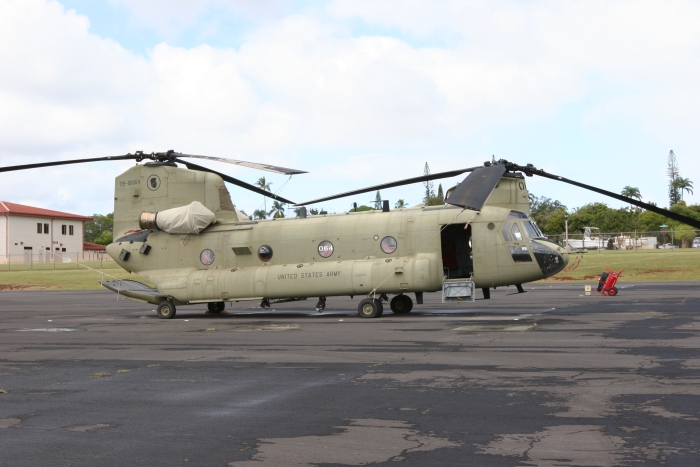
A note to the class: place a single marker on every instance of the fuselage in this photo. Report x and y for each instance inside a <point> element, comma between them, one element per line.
<point>406,250</point>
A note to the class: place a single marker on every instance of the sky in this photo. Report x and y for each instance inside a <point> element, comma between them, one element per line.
<point>356,92</point>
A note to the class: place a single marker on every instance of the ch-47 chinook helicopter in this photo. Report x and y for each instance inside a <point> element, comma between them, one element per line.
<point>177,228</point>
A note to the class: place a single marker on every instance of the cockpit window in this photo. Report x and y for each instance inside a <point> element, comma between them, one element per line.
<point>517,236</point>
<point>532,230</point>
<point>505,231</point>
<point>516,215</point>
<point>520,253</point>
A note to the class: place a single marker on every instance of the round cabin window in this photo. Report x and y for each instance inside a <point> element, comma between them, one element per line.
<point>265,253</point>
<point>206,257</point>
<point>325,249</point>
<point>388,245</point>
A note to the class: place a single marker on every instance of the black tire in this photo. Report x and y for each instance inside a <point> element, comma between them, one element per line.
<point>216,307</point>
<point>401,304</point>
<point>612,291</point>
<point>369,308</point>
<point>380,305</point>
<point>166,310</point>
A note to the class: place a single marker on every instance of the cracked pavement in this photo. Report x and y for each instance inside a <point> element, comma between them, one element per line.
<point>547,378</point>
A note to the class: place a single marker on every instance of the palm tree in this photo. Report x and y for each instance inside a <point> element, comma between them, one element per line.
<point>631,192</point>
<point>683,184</point>
<point>265,185</point>
<point>277,209</point>
<point>400,204</point>
<point>259,214</point>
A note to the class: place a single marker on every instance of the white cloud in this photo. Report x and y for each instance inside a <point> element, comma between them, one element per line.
<point>171,18</point>
<point>60,85</point>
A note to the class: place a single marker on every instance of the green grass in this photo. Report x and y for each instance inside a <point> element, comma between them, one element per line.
<point>71,279</point>
<point>50,266</point>
<point>639,266</point>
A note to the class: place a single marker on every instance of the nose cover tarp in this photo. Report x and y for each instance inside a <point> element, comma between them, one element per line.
<point>190,219</point>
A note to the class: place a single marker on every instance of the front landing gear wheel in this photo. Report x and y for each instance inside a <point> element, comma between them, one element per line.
<point>370,308</point>
<point>216,307</point>
<point>612,291</point>
<point>166,310</point>
<point>401,304</point>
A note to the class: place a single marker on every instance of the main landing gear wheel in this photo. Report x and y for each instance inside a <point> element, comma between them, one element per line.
<point>612,291</point>
<point>166,310</point>
<point>216,307</point>
<point>401,304</point>
<point>370,308</point>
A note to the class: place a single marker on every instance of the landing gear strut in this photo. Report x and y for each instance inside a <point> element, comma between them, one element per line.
<point>321,305</point>
<point>216,307</point>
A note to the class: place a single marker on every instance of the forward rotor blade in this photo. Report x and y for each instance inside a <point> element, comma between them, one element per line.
<point>234,181</point>
<point>406,181</point>
<point>474,190</point>
<point>74,161</point>
<point>253,165</point>
<point>649,207</point>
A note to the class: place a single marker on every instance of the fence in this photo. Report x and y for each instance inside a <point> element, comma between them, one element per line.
<point>31,261</point>
<point>648,240</point>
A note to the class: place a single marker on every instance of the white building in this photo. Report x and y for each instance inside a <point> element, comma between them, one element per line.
<point>29,234</point>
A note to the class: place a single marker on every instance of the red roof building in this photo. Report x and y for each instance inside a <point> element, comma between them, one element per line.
<point>30,234</point>
<point>14,209</point>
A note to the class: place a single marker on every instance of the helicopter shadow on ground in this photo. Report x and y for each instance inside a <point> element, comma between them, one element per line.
<point>482,314</point>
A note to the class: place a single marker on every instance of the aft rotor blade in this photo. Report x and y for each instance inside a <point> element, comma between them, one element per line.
<point>253,165</point>
<point>649,207</point>
<point>474,190</point>
<point>406,181</point>
<point>234,181</point>
<point>74,161</point>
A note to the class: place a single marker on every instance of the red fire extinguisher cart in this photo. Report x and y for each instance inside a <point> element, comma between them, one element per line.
<point>607,281</point>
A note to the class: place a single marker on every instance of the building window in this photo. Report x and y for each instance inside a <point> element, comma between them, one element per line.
<point>70,230</point>
<point>46,228</point>
<point>63,229</point>
<point>48,249</point>
<point>39,228</point>
<point>63,250</point>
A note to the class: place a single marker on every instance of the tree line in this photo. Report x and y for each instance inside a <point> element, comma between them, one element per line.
<point>550,214</point>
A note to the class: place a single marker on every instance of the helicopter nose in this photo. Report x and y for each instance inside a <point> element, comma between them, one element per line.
<point>550,256</point>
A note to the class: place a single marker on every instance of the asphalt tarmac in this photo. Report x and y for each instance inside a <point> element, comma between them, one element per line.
<point>551,377</point>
